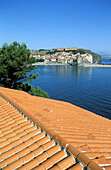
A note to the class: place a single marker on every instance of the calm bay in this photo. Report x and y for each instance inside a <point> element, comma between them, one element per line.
<point>89,88</point>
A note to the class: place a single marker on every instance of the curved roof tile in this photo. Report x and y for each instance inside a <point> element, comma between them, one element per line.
<point>27,142</point>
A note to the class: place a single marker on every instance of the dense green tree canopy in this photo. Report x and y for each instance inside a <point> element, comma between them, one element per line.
<point>40,60</point>
<point>15,63</point>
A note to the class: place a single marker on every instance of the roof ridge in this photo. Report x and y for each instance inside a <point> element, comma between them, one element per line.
<point>74,151</point>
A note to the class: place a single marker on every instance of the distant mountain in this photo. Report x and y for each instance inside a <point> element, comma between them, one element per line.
<point>104,53</point>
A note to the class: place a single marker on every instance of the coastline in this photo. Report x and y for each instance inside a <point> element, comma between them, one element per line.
<point>97,65</point>
<point>48,64</point>
<point>81,65</point>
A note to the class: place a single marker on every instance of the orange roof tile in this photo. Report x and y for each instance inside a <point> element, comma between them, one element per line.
<point>66,163</point>
<point>28,143</point>
<point>31,164</point>
<point>77,167</point>
<point>47,164</point>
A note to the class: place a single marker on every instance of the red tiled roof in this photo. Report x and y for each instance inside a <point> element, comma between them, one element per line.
<point>23,141</point>
<point>74,48</point>
<point>24,146</point>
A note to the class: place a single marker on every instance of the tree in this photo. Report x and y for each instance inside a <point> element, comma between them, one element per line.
<point>15,64</point>
<point>40,60</point>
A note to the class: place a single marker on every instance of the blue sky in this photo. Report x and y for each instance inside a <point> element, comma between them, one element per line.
<point>57,23</point>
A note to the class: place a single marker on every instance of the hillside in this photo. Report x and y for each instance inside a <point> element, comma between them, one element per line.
<point>73,51</point>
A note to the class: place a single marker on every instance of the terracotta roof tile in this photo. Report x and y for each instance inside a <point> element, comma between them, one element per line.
<point>20,134</point>
<point>17,130</point>
<point>18,117</point>
<point>16,142</point>
<point>11,158</point>
<point>73,150</point>
<point>15,164</point>
<point>2,138</point>
<point>84,148</point>
<point>7,131</point>
<point>83,158</point>
<point>23,152</point>
<point>93,166</point>
<point>53,150</point>
<point>107,167</point>
<point>33,146</point>
<point>58,156</point>
<point>93,155</point>
<point>6,148</point>
<point>102,160</point>
<point>30,129</point>
<point>31,164</point>
<point>5,128</point>
<point>38,151</point>
<point>25,137</point>
<point>13,138</point>
<point>21,120</point>
<point>101,149</point>
<point>43,140</point>
<point>47,164</point>
<point>3,117</point>
<point>4,143</point>
<point>6,168</point>
<point>15,115</point>
<point>1,157</point>
<point>38,136</point>
<point>66,163</point>
<point>1,135</point>
<point>55,168</point>
<point>27,157</point>
<point>19,147</point>
<point>39,168</point>
<point>21,168</point>
<point>78,166</point>
<point>28,142</point>
<point>14,126</point>
<point>34,132</point>
<point>48,144</point>
<point>3,164</point>
<point>25,146</point>
<point>8,120</point>
<point>10,135</point>
<point>8,153</point>
<point>26,125</point>
<point>42,157</point>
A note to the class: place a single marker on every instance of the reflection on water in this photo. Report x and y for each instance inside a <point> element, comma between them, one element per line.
<point>88,88</point>
<point>80,70</point>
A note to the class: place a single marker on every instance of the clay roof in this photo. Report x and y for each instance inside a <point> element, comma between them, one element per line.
<point>24,145</point>
<point>27,142</point>
<point>74,48</point>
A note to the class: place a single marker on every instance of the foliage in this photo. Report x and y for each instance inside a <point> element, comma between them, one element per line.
<point>40,60</point>
<point>42,50</point>
<point>52,52</point>
<point>15,63</point>
<point>81,51</point>
<point>74,60</point>
<point>33,91</point>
